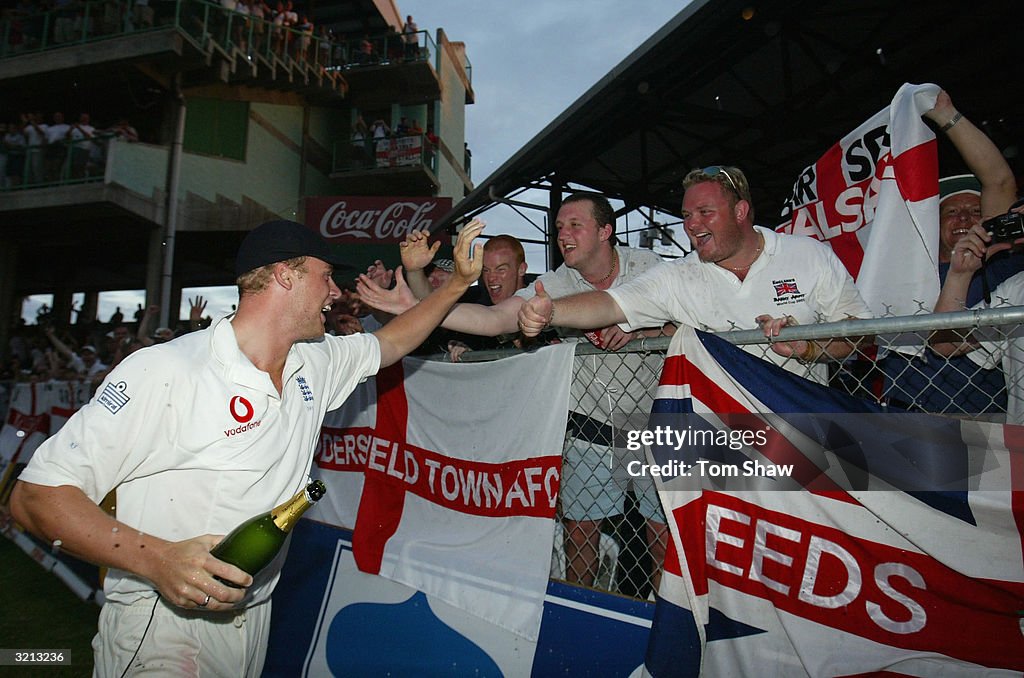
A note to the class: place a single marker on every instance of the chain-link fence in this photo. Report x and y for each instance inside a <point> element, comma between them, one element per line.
<point>612,533</point>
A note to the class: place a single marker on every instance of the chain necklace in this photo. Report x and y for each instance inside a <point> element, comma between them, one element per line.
<point>615,262</point>
<point>757,253</point>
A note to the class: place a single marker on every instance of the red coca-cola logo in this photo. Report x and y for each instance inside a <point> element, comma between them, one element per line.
<point>366,219</point>
<point>393,222</point>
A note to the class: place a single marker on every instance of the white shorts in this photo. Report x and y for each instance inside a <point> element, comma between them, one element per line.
<point>590,488</point>
<point>180,642</point>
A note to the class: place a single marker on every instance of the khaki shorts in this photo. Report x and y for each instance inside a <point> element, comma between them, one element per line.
<point>180,642</point>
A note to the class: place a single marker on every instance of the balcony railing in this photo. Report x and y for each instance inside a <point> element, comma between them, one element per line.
<point>409,150</point>
<point>207,24</point>
<point>66,162</point>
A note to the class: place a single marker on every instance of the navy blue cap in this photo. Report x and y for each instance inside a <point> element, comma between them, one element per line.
<point>281,240</point>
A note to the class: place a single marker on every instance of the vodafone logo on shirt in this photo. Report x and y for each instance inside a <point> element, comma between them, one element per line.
<point>242,411</point>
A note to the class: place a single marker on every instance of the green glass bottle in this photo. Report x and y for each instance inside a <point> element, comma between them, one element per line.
<point>253,544</point>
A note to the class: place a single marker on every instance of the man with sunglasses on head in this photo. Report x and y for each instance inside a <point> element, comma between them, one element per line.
<point>739,276</point>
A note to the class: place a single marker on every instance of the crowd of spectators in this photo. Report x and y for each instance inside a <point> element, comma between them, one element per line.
<point>252,25</point>
<point>365,140</point>
<point>88,349</point>
<point>33,151</point>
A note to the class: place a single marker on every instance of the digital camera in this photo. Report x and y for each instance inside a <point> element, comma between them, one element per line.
<point>1006,227</point>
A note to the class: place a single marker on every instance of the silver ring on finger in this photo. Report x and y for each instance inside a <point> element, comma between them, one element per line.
<point>205,602</point>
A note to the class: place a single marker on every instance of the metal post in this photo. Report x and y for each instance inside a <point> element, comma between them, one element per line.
<point>170,222</point>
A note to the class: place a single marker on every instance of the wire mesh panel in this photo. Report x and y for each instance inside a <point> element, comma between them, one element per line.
<point>613,532</point>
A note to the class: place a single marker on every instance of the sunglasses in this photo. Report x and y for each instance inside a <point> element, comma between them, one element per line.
<point>715,170</point>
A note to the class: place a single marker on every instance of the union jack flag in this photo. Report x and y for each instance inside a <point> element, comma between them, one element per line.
<point>834,581</point>
<point>786,288</point>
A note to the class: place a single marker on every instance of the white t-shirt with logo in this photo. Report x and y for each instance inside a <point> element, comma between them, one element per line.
<point>795,275</point>
<point>197,440</point>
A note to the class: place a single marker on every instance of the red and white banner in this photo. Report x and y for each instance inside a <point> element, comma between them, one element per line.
<point>37,411</point>
<point>834,583</point>
<point>372,220</point>
<point>399,151</point>
<point>345,440</point>
<point>873,197</point>
<point>460,467</point>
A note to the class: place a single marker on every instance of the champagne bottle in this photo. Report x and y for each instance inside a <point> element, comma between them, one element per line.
<point>253,544</point>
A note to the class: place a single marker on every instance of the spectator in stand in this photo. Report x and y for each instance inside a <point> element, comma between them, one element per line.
<point>147,320</point>
<point>57,147</point>
<point>117,341</point>
<point>113,19</point>
<point>358,140</point>
<point>366,54</point>
<point>291,20</point>
<point>196,308</point>
<point>325,47</point>
<point>116,318</point>
<point>30,20</point>
<point>241,25</point>
<point>504,274</point>
<point>83,149</point>
<point>142,14</point>
<point>411,39</point>
<point>955,384</point>
<point>84,363</point>
<point>305,38</point>
<point>967,257</point>
<point>403,127</point>
<point>64,20</point>
<point>35,141</point>
<point>438,272</point>
<point>259,12</point>
<point>277,31</point>
<point>415,129</point>
<point>122,129</point>
<point>14,146</point>
<point>379,131</point>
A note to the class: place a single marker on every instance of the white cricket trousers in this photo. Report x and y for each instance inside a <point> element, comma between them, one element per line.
<point>180,642</point>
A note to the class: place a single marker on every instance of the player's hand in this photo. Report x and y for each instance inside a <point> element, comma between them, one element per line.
<point>185,573</point>
<point>394,301</point>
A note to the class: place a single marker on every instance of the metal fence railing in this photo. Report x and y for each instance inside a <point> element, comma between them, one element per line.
<point>71,161</point>
<point>611,529</point>
<point>209,24</point>
<point>400,150</point>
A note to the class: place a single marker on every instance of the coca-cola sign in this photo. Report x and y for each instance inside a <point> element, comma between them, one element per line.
<point>373,219</point>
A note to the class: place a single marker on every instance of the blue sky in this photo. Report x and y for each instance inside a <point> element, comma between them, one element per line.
<point>531,60</point>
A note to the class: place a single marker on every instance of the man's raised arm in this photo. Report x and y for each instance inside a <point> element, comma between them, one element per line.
<point>581,311</point>
<point>487,321</point>
<point>409,329</point>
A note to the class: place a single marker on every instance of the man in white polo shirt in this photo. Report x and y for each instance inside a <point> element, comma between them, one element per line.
<point>742,277</point>
<point>197,435</point>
